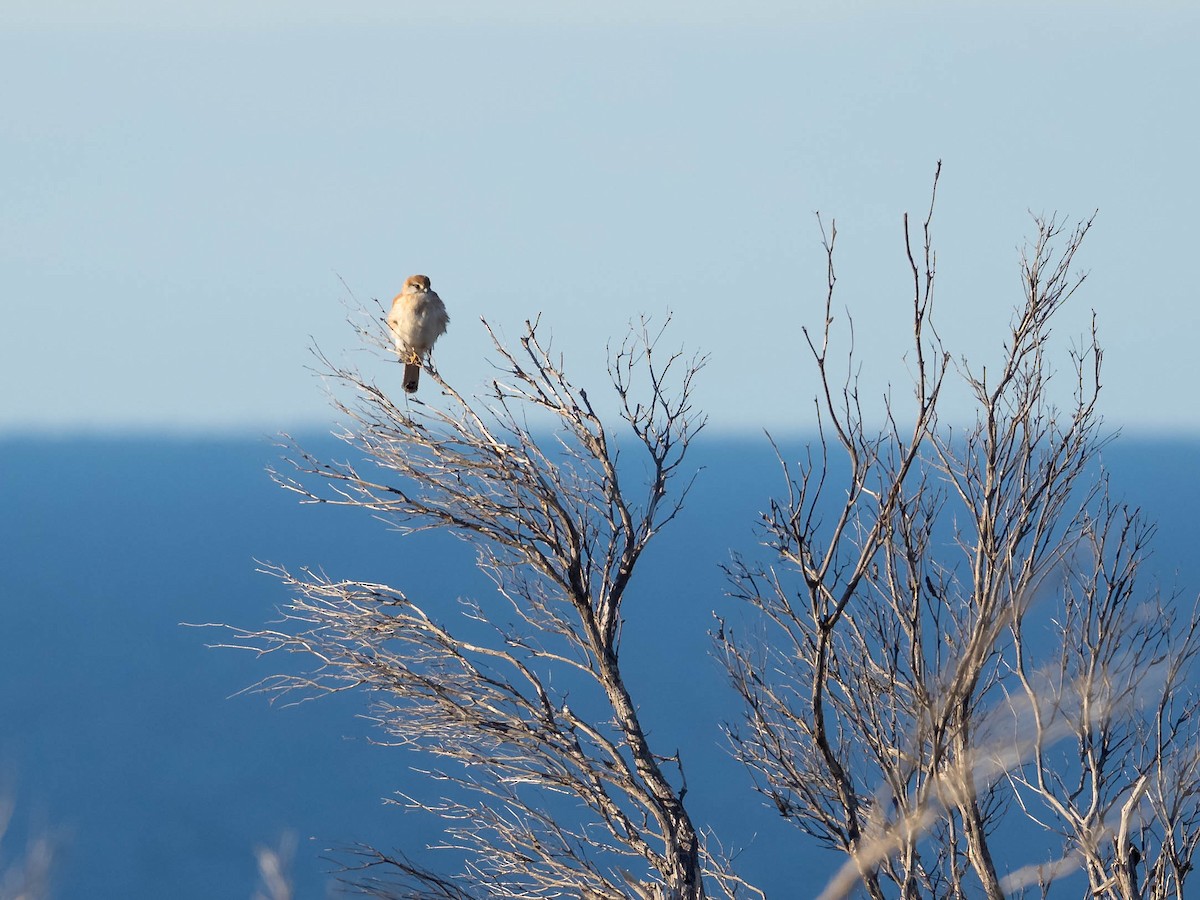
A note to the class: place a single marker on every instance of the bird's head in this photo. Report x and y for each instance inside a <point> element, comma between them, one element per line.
<point>416,283</point>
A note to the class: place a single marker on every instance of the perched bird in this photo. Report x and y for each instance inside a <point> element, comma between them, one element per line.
<point>418,318</point>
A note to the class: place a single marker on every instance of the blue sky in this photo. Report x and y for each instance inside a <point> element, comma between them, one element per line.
<point>183,191</point>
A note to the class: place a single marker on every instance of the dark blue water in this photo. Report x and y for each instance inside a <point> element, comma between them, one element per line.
<point>119,734</point>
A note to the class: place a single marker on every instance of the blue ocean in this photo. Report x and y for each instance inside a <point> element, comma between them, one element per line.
<point>129,742</point>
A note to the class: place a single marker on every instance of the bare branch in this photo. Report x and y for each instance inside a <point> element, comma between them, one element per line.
<point>540,795</point>
<point>952,618</point>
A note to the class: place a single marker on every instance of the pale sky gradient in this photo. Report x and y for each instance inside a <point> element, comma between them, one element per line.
<point>181,186</point>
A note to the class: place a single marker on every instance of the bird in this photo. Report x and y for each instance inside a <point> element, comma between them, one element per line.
<point>418,318</point>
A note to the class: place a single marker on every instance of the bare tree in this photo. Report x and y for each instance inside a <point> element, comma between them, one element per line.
<point>952,636</point>
<point>955,638</point>
<point>552,785</point>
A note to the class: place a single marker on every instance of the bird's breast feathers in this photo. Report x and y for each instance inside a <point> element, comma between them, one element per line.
<point>418,318</point>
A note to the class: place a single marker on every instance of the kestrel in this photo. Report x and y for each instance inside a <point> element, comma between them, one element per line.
<point>418,318</point>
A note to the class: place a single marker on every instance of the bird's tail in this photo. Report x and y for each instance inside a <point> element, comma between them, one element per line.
<point>412,376</point>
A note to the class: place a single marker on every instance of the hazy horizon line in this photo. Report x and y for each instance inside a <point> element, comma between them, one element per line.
<point>247,432</point>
